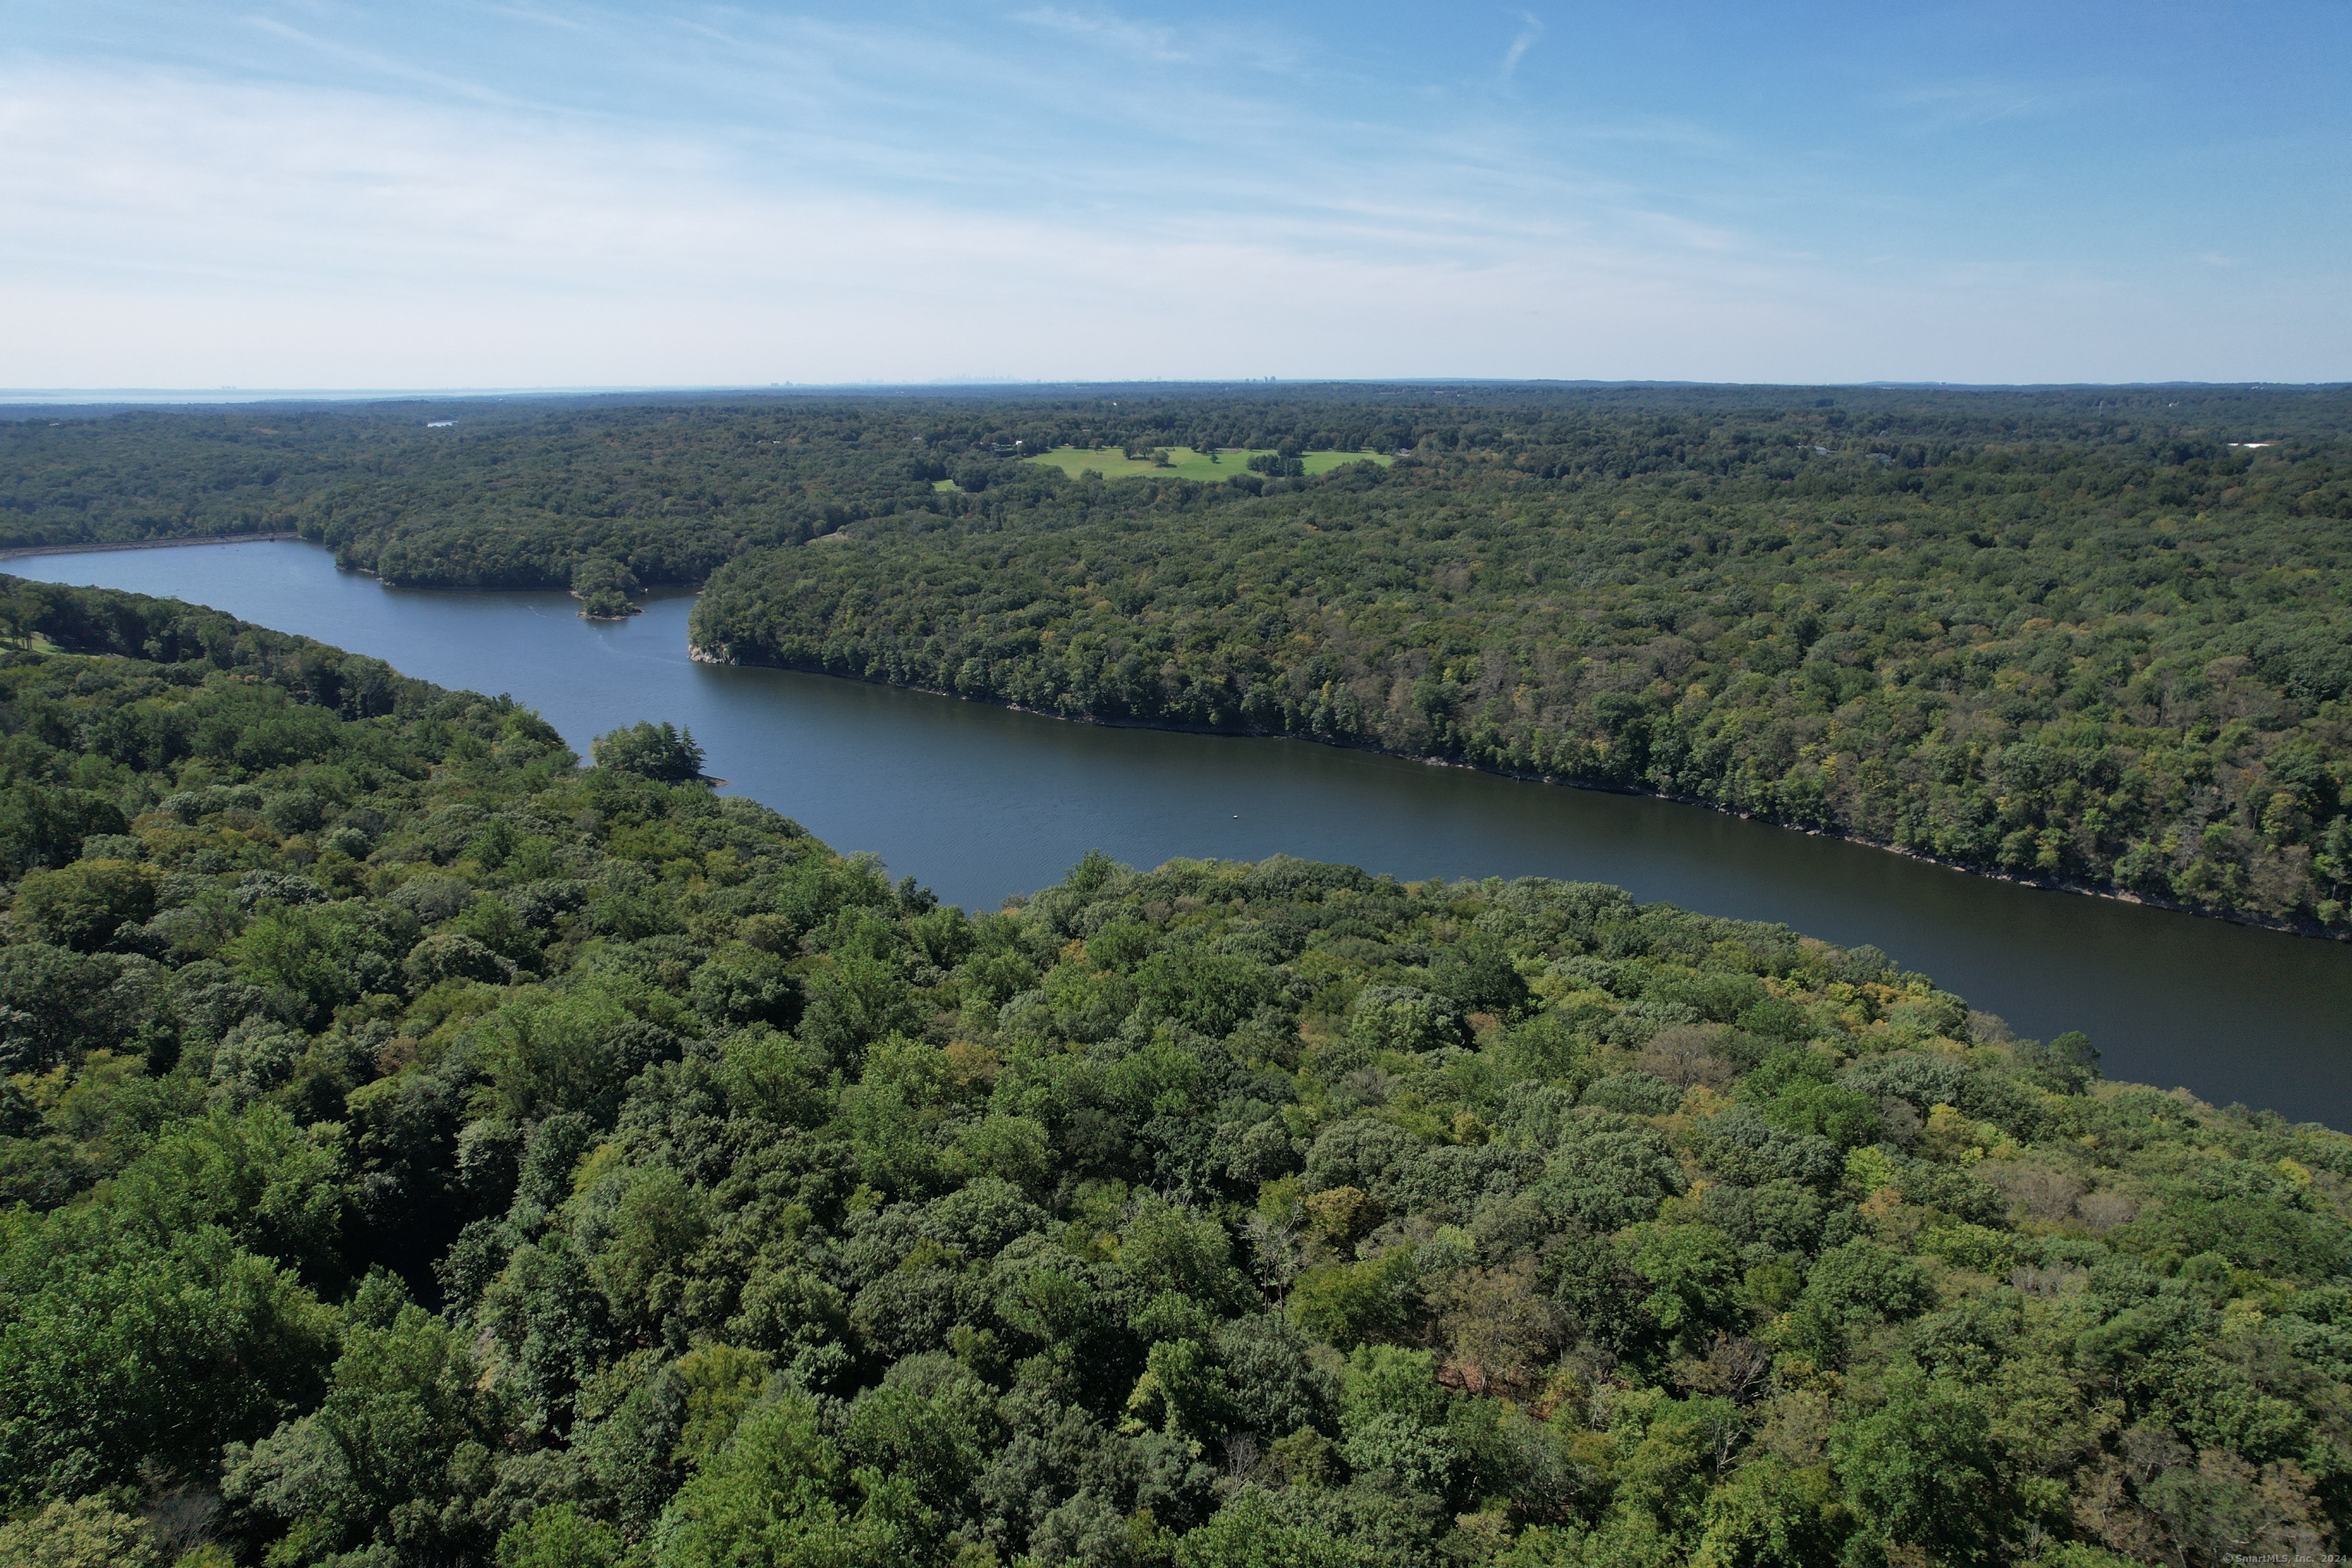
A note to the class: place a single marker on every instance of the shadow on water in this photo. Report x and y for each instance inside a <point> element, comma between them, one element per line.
<point>983,803</point>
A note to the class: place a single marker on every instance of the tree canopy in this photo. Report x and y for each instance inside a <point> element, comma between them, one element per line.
<point>649,751</point>
<point>2092,637</point>
<point>418,1149</point>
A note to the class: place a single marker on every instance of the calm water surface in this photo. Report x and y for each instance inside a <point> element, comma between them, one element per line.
<point>982,803</point>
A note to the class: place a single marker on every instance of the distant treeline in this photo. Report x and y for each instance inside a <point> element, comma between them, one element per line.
<point>2089,637</point>
<point>518,493</point>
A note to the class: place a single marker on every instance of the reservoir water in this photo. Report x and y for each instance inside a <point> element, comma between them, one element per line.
<point>982,803</point>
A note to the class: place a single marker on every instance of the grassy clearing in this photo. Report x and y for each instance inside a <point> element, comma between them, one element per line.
<point>1184,463</point>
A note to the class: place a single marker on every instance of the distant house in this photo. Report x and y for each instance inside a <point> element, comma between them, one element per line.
<point>439,424</point>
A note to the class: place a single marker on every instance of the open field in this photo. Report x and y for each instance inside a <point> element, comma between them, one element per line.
<point>1184,463</point>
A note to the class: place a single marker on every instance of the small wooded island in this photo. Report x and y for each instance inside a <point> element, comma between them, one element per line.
<point>419,1148</point>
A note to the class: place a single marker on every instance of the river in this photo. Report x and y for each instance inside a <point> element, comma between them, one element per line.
<point>982,803</point>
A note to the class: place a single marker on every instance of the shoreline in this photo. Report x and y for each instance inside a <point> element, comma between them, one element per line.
<point>700,654</point>
<point>18,551</point>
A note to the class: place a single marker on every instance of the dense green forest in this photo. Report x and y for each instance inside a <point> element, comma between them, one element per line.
<point>2090,637</point>
<point>421,1150</point>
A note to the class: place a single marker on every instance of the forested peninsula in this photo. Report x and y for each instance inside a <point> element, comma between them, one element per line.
<point>419,1149</point>
<point>2094,638</point>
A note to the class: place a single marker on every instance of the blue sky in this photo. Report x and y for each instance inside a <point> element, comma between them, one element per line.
<point>314,195</point>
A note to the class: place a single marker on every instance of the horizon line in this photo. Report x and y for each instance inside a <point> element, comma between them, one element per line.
<point>68,397</point>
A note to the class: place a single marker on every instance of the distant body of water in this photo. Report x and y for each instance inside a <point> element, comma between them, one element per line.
<point>982,803</point>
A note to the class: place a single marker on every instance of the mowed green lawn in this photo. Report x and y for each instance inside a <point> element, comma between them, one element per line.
<point>1184,463</point>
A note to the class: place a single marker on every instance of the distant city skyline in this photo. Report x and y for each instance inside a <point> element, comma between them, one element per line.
<point>549,195</point>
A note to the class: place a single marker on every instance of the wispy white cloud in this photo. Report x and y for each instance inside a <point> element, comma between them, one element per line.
<point>261,234</point>
<point>375,64</point>
<point>1970,103</point>
<point>1145,40</point>
<point>718,193</point>
<point>1530,30</point>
